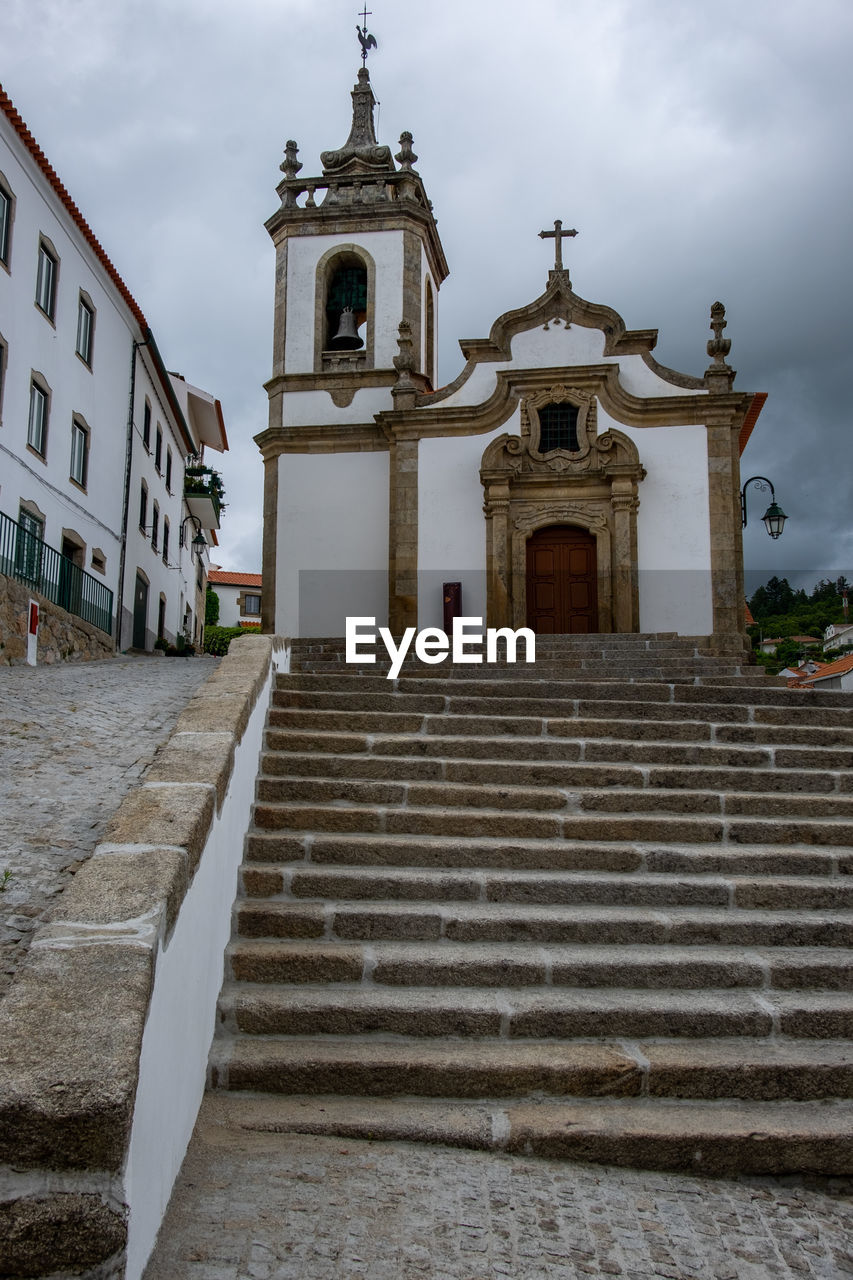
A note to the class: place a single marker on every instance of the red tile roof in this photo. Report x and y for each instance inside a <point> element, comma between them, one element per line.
<point>14,118</point>
<point>796,639</point>
<point>837,668</point>
<point>750,621</point>
<point>750,420</point>
<point>228,579</point>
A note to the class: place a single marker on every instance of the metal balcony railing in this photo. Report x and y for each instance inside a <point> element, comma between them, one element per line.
<point>27,559</point>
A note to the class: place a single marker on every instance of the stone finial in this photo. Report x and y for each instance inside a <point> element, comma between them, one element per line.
<point>404,361</point>
<point>290,166</point>
<point>406,158</point>
<point>360,153</point>
<point>719,376</point>
<point>404,389</point>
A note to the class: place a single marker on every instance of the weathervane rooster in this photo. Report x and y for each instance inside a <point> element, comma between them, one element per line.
<point>365,39</point>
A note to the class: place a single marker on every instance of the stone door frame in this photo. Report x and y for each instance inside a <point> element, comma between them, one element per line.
<point>595,488</point>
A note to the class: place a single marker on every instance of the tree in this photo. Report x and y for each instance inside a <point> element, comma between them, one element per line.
<point>211,607</point>
<point>774,598</point>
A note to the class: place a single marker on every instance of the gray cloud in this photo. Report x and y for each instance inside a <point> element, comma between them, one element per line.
<point>702,153</point>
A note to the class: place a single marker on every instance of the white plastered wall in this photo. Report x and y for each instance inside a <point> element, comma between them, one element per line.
<point>303,407</point>
<point>332,546</point>
<point>451,525</point>
<point>673,527</point>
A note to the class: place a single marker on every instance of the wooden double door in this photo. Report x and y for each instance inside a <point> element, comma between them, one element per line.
<point>562,581</point>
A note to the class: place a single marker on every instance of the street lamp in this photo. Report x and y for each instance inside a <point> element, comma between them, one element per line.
<point>199,542</point>
<point>774,517</point>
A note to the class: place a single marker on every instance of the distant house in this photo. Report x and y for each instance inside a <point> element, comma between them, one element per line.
<point>838,636</point>
<point>771,643</point>
<point>747,613</point>
<point>802,670</point>
<point>239,597</point>
<point>835,675</point>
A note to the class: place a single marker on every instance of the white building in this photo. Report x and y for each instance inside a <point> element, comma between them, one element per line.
<point>239,597</point>
<point>90,422</point>
<point>565,479</point>
<point>838,636</point>
<point>833,675</point>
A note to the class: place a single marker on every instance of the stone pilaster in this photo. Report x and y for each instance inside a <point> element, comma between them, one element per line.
<point>271,465</point>
<point>625,594</point>
<point>412,308</point>
<point>726,534</point>
<point>403,535</point>
<point>280,310</point>
<point>498,552</point>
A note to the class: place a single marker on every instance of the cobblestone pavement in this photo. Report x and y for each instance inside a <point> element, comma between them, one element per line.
<point>264,1206</point>
<point>74,737</point>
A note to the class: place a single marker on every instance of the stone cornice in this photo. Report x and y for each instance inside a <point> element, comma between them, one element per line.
<point>601,381</point>
<point>358,437</point>
<point>560,303</point>
<point>406,213</point>
<point>340,381</point>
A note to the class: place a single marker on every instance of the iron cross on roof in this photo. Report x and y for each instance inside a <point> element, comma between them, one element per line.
<point>365,39</point>
<point>557,236</point>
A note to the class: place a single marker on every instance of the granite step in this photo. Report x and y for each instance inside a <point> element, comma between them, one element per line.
<point>762,774</point>
<point>382,850</point>
<point>808,892</point>
<point>700,1069</point>
<point>601,906</point>
<point>512,1013</point>
<point>505,922</point>
<point>699,1136</point>
<point>519,964</point>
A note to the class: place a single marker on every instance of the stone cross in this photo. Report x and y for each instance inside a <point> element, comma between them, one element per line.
<point>557,236</point>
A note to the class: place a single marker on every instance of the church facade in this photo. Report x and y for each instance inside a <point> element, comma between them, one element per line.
<point>564,480</point>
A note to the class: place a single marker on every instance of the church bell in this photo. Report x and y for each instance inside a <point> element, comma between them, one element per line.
<point>347,339</point>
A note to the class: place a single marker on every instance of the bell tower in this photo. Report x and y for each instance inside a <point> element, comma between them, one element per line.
<point>357,252</point>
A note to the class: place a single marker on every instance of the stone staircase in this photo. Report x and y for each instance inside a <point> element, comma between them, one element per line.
<point>599,908</point>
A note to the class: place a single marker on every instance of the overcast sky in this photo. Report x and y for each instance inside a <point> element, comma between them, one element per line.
<point>703,151</point>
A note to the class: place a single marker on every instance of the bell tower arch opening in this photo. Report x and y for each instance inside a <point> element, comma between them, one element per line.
<point>344,293</point>
<point>346,303</point>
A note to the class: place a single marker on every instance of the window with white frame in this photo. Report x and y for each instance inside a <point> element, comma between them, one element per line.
<point>79,452</point>
<point>165,540</point>
<point>2,373</point>
<point>146,426</point>
<point>85,329</point>
<point>158,449</point>
<point>37,427</point>
<point>155,527</point>
<point>46,281</point>
<point>169,469</point>
<point>5,223</point>
<point>143,506</point>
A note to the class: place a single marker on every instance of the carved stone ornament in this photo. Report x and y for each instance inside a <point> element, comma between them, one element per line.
<point>406,157</point>
<point>530,516</point>
<point>360,153</point>
<point>718,346</point>
<point>404,361</point>
<point>719,376</point>
<point>587,425</point>
<point>290,166</point>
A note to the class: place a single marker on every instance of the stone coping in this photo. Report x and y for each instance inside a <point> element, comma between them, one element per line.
<point>72,1023</point>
